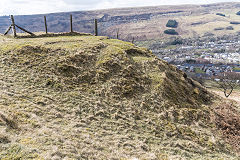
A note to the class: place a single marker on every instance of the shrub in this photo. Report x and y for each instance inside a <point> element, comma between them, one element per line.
<point>190,61</point>
<point>208,34</point>
<point>171,32</point>
<point>234,22</point>
<point>219,29</point>
<point>199,79</point>
<point>220,14</point>
<point>172,23</point>
<point>175,41</point>
<point>229,28</point>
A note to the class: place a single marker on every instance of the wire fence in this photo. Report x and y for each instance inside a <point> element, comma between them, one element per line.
<point>96,27</point>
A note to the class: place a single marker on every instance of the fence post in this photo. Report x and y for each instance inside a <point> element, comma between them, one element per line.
<point>96,27</point>
<point>25,30</point>
<point>118,33</point>
<point>13,27</point>
<point>132,39</point>
<point>45,21</point>
<point>9,28</point>
<point>71,25</point>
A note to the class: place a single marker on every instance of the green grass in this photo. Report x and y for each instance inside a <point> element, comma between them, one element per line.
<point>236,69</point>
<point>198,70</point>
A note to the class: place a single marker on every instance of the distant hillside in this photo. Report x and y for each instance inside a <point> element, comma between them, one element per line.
<point>86,97</point>
<point>142,23</point>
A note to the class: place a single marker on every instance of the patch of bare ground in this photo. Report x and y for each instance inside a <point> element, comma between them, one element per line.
<point>227,120</point>
<point>227,117</point>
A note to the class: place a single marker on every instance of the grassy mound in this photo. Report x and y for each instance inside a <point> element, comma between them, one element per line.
<point>171,32</point>
<point>86,97</point>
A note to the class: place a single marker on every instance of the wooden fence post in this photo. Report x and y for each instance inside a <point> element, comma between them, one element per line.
<point>71,25</point>
<point>96,27</point>
<point>118,33</point>
<point>45,21</point>
<point>13,27</point>
<point>9,28</point>
<point>25,30</point>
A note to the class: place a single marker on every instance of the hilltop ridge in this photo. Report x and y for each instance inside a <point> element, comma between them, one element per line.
<point>142,23</point>
<point>87,97</point>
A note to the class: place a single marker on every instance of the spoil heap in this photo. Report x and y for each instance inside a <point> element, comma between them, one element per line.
<point>86,97</point>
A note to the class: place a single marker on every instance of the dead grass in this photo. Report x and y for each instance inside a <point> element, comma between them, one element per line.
<point>9,121</point>
<point>228,121</point>
<point>86,97</point>
<point>193,21</point>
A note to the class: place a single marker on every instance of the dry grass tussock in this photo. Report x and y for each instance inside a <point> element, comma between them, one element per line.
<point>86,97</point>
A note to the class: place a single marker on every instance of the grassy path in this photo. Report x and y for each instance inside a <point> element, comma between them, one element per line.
<point>234,96</point>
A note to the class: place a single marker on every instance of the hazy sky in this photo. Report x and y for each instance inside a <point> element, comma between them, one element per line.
<point>48,6</point>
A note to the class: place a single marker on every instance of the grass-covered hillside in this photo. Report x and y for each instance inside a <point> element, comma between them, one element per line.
<point>86,97</point>
<point>142,23</point>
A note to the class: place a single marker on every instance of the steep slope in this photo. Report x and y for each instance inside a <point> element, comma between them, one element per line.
<point>86,97</point>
